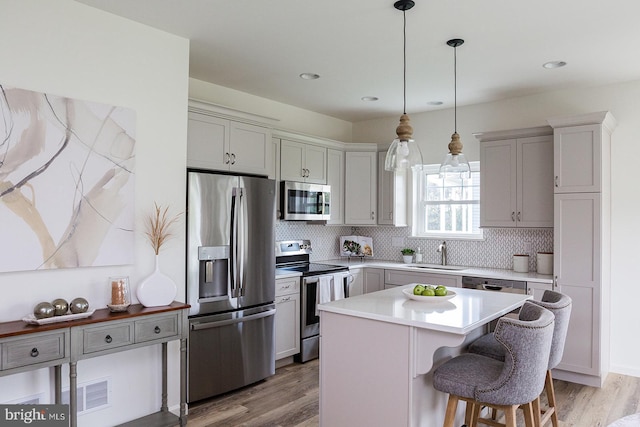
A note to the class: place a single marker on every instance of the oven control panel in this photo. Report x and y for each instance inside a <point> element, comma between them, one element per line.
<point>293,247</point>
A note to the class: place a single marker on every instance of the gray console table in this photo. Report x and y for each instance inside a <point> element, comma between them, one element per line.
<point>25,347</point>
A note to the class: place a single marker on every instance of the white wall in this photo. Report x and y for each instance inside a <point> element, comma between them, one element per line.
<point>433,132</point>
<point>69,49</point>
<point>289,118</point>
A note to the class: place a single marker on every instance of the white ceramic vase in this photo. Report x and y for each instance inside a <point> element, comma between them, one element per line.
<point>407,259</point>
<point>157,289</point>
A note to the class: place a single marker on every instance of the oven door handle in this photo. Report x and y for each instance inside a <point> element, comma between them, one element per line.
<point>492,287</point>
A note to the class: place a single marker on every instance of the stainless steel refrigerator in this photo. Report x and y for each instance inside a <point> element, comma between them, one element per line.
<point>230,281</point>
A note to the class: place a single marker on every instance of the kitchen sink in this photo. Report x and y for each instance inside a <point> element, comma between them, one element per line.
<point>437,267</point>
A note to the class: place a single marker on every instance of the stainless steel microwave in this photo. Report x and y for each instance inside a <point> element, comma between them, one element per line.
<point>301,201</point>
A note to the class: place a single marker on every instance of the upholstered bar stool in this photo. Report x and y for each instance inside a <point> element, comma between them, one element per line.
<point>504,385</point>
<point>560,305</point>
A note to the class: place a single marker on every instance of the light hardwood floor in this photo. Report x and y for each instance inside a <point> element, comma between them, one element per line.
<point>290,399</point>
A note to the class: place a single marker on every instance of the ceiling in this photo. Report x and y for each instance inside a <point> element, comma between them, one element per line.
<point>262,46</point>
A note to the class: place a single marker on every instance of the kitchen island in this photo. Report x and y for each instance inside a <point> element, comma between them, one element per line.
<point>378,350</point>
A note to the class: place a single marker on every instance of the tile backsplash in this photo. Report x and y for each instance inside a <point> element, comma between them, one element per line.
<point>496,250</point>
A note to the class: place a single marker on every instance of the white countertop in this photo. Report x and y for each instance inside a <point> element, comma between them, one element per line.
<point>468,310</point>
<point>493,273</point>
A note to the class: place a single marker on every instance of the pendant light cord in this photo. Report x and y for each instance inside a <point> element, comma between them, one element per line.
<point>455,89</point>
<point>404,63</point>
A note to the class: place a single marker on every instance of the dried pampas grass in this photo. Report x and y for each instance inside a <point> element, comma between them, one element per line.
<point>158,226</point>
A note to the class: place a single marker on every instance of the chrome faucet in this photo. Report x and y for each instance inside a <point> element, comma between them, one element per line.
<point>443,251</point>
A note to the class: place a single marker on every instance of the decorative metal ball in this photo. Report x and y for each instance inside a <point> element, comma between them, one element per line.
<point>79,305</point>
<point>43,310</point>
<point>61,306</point>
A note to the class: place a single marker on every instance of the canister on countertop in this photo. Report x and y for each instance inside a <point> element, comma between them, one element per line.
<point>544,262</point>
<point>521,263</point>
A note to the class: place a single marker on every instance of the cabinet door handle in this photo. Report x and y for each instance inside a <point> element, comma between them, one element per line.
<point>233,159</point>
<point>108,339</point>
<point>373,215</point>
<point>513,216</point>
<point>157,329</point>
<point>306,175</point>
<point>304,171</point>
<point>285,299</point>
<point>228,158</point>
<point>34,352</point>
<point>555,282</point>
<point>556,181</point>
<point>518,216</point>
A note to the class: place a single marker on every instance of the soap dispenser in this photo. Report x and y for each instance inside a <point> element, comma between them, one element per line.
<point>419,255</point>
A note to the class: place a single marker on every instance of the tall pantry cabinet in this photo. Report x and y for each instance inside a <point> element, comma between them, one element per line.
<point>582,241</point>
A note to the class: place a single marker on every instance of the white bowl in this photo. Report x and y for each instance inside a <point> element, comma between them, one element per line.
<point>408,292</point>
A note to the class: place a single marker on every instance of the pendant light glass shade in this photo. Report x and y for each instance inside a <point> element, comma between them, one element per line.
<point>404,152</point>
<point>455,163</point>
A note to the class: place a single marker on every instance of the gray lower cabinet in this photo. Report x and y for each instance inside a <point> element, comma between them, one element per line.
<point>400,278</point>
<point>26,347</point>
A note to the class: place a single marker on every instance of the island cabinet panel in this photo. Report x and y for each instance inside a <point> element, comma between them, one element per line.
<point>400,278</point>
<point>350,383</point>
<point>516,180</point>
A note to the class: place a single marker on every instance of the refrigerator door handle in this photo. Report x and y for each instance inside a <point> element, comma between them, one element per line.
<point>209,325</point>
<point>233,244</point>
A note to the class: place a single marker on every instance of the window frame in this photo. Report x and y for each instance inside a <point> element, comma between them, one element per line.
<point>419,207</point>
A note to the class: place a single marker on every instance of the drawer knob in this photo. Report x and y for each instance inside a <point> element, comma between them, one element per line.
<point>156,329</point>
<point>108,339</point>
<point>34,352</point>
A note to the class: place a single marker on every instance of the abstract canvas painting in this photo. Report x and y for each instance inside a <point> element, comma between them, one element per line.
<point>66,182</point>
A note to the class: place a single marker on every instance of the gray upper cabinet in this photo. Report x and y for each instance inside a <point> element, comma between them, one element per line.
<point>219,144</point>
<point>335,178</point>
<point>392,195</point>
<point>360,188</point>
<point>303,162</point>
<point>516,178</point>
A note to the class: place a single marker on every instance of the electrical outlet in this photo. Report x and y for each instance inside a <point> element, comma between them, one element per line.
<point>397,242</point>
<point>527,247</point>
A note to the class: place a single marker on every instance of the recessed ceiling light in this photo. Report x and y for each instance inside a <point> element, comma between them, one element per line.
<point>369,98</point>
<point>434,103</point>
<point>309,76</point>
<point>554,64</point>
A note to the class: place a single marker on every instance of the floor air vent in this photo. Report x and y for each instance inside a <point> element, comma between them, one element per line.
<point>91,395</point>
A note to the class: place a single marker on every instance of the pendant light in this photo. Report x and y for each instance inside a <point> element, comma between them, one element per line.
<point>455,163</point>
<point>403,153</point>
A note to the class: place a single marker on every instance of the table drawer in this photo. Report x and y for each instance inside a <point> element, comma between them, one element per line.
<point>107,337</point>
<point>153,329</point>
<point>33,350</point>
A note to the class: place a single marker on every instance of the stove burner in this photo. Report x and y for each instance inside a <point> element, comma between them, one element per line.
<point>314,269</point>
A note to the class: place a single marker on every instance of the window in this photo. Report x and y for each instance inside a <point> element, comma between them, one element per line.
<point>447,207</point>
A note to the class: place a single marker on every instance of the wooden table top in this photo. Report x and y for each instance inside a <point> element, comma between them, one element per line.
<point>20,327</point>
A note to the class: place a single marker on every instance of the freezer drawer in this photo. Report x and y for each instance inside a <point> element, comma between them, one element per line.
<point>228,351</point>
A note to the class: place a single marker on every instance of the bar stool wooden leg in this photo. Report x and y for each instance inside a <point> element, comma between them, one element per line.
<point>551,396</point>
<point>510,415</point>
<point>450,414</point>
<point>527,410</point>
<point>536,412</point>
<point>468,414</point>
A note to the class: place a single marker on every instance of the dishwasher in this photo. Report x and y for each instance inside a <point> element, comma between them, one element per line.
<point>495,285</point>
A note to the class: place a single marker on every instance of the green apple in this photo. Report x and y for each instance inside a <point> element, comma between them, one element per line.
<point>441,291</point>
<point>428,292</point>
<point>417,290</point>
